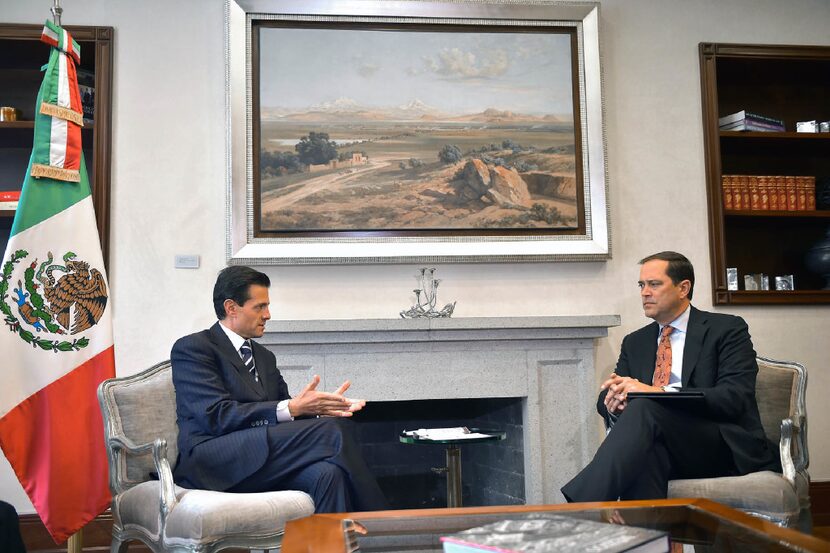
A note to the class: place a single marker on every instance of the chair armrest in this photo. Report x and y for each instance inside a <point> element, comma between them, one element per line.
<point>786,452</point>
<point>167,492</point>
<point>793,448</point>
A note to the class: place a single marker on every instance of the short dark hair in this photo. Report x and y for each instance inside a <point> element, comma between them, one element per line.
<point>679,269</point>
<point>234,283</point>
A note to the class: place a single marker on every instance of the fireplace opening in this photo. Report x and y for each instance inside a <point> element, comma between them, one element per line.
<point>491,473</point>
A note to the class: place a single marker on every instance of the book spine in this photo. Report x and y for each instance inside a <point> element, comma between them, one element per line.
<point>750,125</point>
<point>738,192</point>
<point>781,188</point>
<point>763,193</point>
<point>763,119</point>
<point>772,192</point>
<point>801,190</point>
<point>726,189</point>
<point>754,194</point>
<point>746,195</point>
<point>811,193</point>
<point>748,115</point>
<point>8,206</point>
<point>792,194</point>
<point>9,195</point>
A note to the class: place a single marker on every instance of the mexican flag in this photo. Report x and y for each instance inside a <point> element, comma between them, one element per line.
<point>56,336</point>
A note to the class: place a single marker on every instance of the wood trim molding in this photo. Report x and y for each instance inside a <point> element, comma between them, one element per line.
<point>97,535</point>
<point>820,502</point>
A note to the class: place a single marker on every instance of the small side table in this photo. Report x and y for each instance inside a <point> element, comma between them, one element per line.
<point>453,468</point>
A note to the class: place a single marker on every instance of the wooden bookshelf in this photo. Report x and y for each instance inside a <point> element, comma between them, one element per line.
<point>823,214</point>
<point>789,83</point>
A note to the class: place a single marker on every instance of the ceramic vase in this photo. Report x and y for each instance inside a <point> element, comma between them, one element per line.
<point>818,259</point>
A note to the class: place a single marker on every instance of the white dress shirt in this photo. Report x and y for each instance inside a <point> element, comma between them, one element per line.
<point>283,414</point>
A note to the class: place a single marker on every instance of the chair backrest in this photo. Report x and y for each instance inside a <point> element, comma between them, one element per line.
<point>141,408</point>
<point>780,391</point>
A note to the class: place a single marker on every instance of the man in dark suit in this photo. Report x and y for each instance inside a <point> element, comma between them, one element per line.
<point>241,431</point>
<point>650,441</point>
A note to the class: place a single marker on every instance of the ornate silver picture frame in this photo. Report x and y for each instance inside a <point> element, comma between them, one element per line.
<point>504,189</point>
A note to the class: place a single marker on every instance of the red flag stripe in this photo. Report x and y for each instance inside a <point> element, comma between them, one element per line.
<point>65,420</point>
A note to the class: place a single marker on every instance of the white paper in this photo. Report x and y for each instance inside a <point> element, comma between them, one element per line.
<point>455,433</point>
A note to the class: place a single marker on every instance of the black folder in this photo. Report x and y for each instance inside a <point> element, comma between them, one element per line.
<point>668,396</point>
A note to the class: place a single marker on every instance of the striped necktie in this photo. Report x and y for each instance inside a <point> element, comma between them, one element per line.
<point>248,359</point>
<point>662,368</point>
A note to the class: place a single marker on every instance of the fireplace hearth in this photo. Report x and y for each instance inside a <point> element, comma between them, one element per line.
<point>492,473</point>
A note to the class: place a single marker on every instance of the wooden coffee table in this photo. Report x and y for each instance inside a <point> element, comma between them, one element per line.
<point>690,521</point>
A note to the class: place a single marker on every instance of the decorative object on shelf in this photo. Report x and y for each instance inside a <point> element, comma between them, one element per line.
<point>784,282</point>
<point>8,113</point>
<point>824,126</point>
<point>818,259</point>
<point>86,89</point>
<point>806,126</point>
<point>756,281</point>
<point>732,278</point>
<point>823,193</point>
<point>425,306</point>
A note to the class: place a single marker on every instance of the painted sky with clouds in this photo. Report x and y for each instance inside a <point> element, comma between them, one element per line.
<point>457,73</point>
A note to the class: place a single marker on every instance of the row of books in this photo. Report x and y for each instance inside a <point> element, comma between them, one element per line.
<point>747,121</point>
<point>9,199</point>
<point>768,192</point>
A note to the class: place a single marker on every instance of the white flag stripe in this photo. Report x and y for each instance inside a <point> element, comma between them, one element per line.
<point>57,145</point>
<point>50,33</point>
<point>29,369</point>
<point>63,82</point>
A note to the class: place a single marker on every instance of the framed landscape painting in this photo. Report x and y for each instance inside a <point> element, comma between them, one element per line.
<point>396,132</point>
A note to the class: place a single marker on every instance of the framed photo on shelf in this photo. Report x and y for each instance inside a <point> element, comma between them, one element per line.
<point>410,132</point>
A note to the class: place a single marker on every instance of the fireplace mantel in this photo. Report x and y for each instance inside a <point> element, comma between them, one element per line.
<point>546,361</point>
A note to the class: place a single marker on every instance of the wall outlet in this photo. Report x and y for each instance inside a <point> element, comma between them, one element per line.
<point>186,261</point>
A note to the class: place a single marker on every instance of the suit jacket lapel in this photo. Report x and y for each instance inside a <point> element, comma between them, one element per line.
<point>230,355</point>
<point>695,333</point>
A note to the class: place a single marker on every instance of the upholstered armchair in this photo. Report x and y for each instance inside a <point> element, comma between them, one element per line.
<point>780,391</point>
<point>140,431</point>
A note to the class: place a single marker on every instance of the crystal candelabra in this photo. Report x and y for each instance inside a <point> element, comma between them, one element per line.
<point>426,297</point>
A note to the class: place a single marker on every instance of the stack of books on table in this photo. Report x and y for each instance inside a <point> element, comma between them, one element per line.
<point>748,121</point>
<point>9,199</point>
<point>547,533</point>
<point>768,192</point>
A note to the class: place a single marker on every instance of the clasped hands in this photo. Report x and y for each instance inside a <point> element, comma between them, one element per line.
<point>312,402</point>
<point>618,387</point>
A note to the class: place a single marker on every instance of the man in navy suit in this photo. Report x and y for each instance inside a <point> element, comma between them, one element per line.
<point>650,441</point>
<point>241,431</point>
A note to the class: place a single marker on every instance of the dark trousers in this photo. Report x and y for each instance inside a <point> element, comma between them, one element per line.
<point>650,444</point>
<point>321,458</point>
<point>10,539</point>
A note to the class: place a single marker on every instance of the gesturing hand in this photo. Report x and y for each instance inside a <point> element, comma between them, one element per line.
<point>311,402</point>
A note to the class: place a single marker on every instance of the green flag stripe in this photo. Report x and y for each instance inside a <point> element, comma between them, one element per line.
<point>41,198</point>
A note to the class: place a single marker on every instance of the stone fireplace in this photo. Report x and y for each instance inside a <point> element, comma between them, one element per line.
<point>532,376</point>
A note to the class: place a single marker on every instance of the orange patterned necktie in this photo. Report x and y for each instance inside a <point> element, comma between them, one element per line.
<point>662,369</point>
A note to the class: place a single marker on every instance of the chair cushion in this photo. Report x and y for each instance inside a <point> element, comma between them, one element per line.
<point>766,493</point>
<point>204,516</point>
